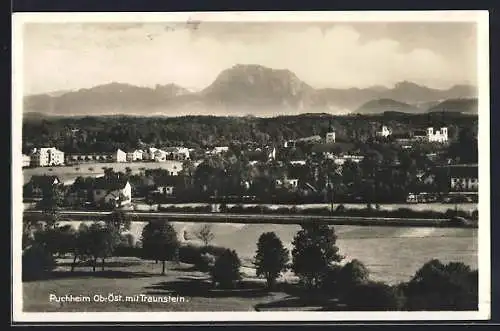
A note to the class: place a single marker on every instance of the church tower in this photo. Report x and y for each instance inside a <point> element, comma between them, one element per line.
<point>330,134</point>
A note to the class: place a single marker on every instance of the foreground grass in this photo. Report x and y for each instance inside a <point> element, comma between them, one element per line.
<point>130,277</point>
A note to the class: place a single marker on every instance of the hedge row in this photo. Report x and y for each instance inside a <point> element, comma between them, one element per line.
<point>369,211</point>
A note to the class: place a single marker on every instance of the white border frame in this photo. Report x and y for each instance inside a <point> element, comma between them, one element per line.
<point>481,18</point>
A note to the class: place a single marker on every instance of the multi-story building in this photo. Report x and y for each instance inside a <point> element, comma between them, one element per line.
<point>135,155</point>
<point>439,136</point>
<point>47,156</point>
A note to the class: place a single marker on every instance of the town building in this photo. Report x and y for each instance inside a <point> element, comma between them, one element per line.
<point>439,136</point>
<point>384,132</point>
<point>119,156</point>
<point>463,177</point>
<point>47,156</point>
<point>82,158</point>
<point>430,135</point>
<point>112,191</point>
<point>330,135</point>
<point>289,144</point>
<point>340,160</point>
<point>134,155</point>
<point>167,185</point>
<point>289,183</point>
<point>177,153</point>
<point>218,150</point>
<point>272,154</point>
<point>149,154</point>
<point>160,156</point>
<point>298,162</point>
<point>26,160</point>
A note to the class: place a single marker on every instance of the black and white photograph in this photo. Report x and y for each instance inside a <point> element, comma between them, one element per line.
<point>251,166</point>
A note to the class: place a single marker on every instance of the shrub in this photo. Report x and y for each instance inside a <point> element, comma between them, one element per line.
<point>226,270</point>
<point>438,286</point>
<point>192,254</point>
<point>206,262</point>
<point>330,283</point>
<point>374,296</point>
<point>36,262</point>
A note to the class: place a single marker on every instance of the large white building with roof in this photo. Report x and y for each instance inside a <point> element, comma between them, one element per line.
<point>46,157</point>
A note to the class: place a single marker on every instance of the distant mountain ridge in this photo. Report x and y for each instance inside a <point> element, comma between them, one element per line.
<point>239,90</point>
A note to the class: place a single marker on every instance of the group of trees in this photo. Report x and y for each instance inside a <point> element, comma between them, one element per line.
<point>44,242</point>
<point>316,260</point>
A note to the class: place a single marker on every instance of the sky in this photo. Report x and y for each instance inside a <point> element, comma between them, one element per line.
<point>69,56</point>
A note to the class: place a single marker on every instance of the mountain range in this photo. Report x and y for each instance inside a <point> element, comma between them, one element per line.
<point>250,89</point>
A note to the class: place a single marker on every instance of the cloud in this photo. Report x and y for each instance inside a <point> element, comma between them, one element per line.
<point>72,56</point>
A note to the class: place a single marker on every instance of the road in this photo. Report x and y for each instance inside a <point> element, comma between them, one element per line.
<point>248,218</point>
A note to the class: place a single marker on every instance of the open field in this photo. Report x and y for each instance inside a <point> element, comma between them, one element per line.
<point>68,174</point>
<point>393,254</point>
<point>131,277</point>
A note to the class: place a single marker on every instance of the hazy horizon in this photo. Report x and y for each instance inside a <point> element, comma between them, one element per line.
<point>72,56</point>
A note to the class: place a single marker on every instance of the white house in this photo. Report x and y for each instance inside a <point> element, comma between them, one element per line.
<point>272,154</point>
<point>167,185</point>
<point>298,162</point>
<point>439,136</point>
<point>340,160</point>
<point>160,156</point>
<point>183,153</point>
<point>384,132</point>
<point>220,149</point>
<point>47,156</point>
<point>112,191</point>
<point>289,144</point>
<point>135,155</point>
<point>26,160</point>
<point>149,154</point>
<point>288,182</point>
<point>177,153</point>
<point>119,156</point>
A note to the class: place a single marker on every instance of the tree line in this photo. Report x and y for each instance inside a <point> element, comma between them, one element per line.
<point>107,133</point>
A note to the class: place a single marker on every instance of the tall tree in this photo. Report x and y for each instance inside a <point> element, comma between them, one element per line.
<point>205,234</point>
<point>100,243</point>
<point>160,242</point>
<point>314,251</point>
<point>271,257</point>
